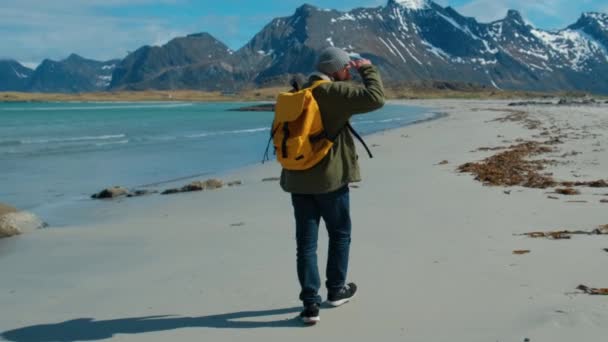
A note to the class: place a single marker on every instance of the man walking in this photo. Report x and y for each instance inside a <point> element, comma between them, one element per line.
<point>323,190</point>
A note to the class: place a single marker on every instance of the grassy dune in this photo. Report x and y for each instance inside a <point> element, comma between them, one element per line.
<point>264,94</point>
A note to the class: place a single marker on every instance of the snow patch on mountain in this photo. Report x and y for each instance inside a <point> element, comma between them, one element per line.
<point>435,50</point>
<point>20,75</point>
<point>103,81</point>
<point>573,45</point>
<point>414,5</point>
<point>600,18</point>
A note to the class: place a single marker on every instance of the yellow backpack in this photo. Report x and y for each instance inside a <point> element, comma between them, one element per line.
<point>297,132</point>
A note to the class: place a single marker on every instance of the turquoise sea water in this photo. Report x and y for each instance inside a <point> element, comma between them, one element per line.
<point>63,152</point>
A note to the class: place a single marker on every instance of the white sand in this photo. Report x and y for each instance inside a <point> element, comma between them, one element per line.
<point>431,253</point>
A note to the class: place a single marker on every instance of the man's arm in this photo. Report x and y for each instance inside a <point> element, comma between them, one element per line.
<point>357,99</point>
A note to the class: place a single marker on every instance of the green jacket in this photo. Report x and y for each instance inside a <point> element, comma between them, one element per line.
<point>338,101</point>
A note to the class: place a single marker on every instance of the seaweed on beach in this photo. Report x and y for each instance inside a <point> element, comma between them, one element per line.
<point>567,191</point>
<point>483,149</point>
<point>510,168</point>
<point>592,290</point>
<point>592,184</point>
<point>519,116</point>
<point>567,234</point>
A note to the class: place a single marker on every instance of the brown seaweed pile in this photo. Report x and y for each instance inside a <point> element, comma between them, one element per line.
<point>567,234</point>
<point>511,167</point>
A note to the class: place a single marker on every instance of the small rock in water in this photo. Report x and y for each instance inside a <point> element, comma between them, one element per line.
<point>271,179</point>
<point>240,224</point>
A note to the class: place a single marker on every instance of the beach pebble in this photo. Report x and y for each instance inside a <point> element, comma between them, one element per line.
<point>113,192</point>
<point>13,222</point>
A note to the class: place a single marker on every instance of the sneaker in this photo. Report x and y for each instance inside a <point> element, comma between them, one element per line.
<point>343,296</point>
<point>310,314</point>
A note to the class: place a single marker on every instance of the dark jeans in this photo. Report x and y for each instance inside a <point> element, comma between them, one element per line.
<point>334,208</point>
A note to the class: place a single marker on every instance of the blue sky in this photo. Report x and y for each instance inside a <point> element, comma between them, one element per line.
<point>102,29</point>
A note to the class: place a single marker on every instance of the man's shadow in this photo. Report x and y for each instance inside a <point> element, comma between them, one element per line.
<point>88,329</point>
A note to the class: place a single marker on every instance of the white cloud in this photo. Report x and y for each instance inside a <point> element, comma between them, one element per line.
<point>548,14</point>
<point>33,30</point>
<point>31,65</point>
<point>490,10</point>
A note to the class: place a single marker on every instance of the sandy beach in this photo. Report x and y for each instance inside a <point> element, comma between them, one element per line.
<point>432,251</point>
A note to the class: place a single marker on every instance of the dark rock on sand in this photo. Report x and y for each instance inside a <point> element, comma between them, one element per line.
<point>571,102</point>
<point>170,191</point>
<point>210,184</point>
<point>235,183</point>
<point>14,222</point>
<point>530,103</point>
<point>138,193</point>
<point>113,192</point>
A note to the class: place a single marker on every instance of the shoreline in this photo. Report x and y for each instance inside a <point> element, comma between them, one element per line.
<point>433,250</point>
<point>269,94</point>
<point>221,174</point>
<point>80,202</point>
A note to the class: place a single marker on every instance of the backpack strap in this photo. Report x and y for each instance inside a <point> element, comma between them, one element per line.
<point>352,130</point>
<point>272,133</point>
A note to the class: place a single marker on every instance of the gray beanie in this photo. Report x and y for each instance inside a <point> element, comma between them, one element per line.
<point>331,60</point>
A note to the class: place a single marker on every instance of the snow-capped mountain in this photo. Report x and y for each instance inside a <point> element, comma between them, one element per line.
<point>420,40</point>
<point>13,75</point>
<point>70,75</point>
<point>197,61</point>
<point>73,74</point>
<point>409,40</point>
